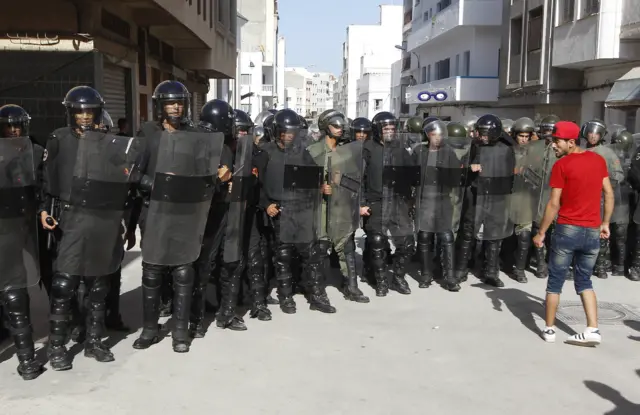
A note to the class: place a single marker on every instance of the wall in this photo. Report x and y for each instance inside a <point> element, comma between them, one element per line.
<point>252,105</point>
<point>258,34</point>
<point>280,71</point>
<point>374,85</point>
<point>38,81</point>
<point>396,87</point>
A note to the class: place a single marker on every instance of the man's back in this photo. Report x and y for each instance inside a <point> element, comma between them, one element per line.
<point>579,175</point>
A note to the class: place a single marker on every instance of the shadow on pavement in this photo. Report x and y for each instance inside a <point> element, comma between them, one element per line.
<point>623,405</point>
<point>634,325</point>
<point>522,305</point>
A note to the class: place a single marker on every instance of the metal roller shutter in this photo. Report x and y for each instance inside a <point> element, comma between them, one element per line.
<point>197,106</point>
<point>115,92</point>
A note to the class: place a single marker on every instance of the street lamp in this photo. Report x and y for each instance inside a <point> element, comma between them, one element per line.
<point>404,49</point>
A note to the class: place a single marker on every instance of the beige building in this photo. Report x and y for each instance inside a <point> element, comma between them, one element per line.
<point>123,48</point>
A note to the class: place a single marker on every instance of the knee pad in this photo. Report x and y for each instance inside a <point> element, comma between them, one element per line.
<point>283,255</point>
<point>183,275</point>
<point>446,237</point>
<point>16,306</point>
<point>152,278</point>
<point>99,289</point>
<point>64,286</point>
<point>425,238</point>
<point>378,246</point>
<point>256,263</point>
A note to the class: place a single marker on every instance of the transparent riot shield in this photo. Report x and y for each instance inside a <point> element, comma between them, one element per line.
<point>617,159</point>
<point>92,212</point>
<point>241,186</point>
<point>400,176</point>
<point>535,171</point>
<point>527,183</point>
<point>440,194</point>
<point>183,186</point>
<point>344,167</point>
<point>300,207</point>
<point>19,265</point>
<point>493,188</point>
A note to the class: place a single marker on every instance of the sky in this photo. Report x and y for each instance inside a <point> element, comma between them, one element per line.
<point>316,29</point>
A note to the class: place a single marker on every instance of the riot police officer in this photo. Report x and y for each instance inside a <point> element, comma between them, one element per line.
<point>177,183</point>
<point>360,129</point>
<point>389,178</point>
<point>87,174</point>
<point>20,162</point>
<point>594,132</point>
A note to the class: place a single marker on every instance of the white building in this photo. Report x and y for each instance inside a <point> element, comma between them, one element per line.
<point>397,89</point>
<point>308,93</point>
<point>262,57</point>
<point>374,86</point>
<point>577,60</point>
<point>377,40</point>
<point>456,45</point>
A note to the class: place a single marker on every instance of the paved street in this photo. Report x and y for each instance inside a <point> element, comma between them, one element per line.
<point>474,352</point>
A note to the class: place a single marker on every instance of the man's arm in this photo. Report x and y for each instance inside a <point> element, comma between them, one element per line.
<point>551,211</point>
<point>608,200</point>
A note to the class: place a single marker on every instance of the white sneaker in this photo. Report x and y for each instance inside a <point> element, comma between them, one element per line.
<point>590,338</point>
<point>549,334</point>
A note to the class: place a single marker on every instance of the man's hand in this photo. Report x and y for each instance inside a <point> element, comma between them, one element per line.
<point>130,237</point>
<point>476,168</point>
<point>273,210</point>
<point>605,233</point>
<point>48,224</point>
<point>224,174</point>
<point>326,189</point>
<point>538,240</point>
<point>365,211</point>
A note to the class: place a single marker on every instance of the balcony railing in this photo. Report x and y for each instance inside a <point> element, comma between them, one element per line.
<point>267,88</point>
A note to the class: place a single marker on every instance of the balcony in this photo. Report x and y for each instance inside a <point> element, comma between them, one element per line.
<point>462,13</point>
<point>453,90</point>
<point>267,89</point>
<point>408,17</point>
<point>590,42</point>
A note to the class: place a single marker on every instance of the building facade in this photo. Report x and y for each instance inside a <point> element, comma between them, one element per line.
<point>374,86</point>
<point>262,57</point>
<point>308,93</point>
<point>122,48</point>
<point>379,40</point>
<point>452,54</point>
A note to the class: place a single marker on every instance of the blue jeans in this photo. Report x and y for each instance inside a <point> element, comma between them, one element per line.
<point>569,243</point>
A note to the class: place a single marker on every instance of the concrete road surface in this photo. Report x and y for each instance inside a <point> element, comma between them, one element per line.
<point>433,352</point>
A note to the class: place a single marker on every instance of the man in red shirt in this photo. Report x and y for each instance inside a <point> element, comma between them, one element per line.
<point>578,181</point>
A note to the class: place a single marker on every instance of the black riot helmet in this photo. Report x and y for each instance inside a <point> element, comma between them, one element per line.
<point>106,123</point>
<point>217,116</point>
<point>84,108</point>
<point>14,121</point>
<point>380,121</point>
<point>335,119</point>
<point>286,125</point>
<point>303,122</point>
<point>268,126</point>
<point>172,93</point>
<point>243,122</point>
<point>593,132</point>
<point>358,126</point>
<point>428,121</point>
<point>489,126</point>
<point>547,124</point>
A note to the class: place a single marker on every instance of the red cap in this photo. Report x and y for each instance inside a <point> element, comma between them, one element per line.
<point>566,130</point>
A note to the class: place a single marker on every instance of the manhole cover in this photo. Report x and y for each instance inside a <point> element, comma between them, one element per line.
<point>571,312</point>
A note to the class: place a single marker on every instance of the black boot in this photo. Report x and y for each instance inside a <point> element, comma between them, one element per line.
<point>151,298</point>
<point>403,254</point>
<point>351,290</point>
<point>183,279</point>
<point>425,252</point>
<point>63,289</point>
<point>285,294</point>
<point>600,270</point>
<point>166,306</point>
<point>113,320</point>
<point>541,262</point>
<point>465,252</point>
<point>16,306</point>
<point>522,252</point>
<point>93,346</point>
<point>316,293</point>
<point>492,264</point>
<point>620,242</point>
<point>229,290</point>
<point>197,327</point>
<point>447,255</point>
<point>259,307</point>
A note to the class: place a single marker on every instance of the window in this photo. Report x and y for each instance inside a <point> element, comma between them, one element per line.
<point>534,40</point>
<point>377,104</point>
<point>427,77</point>
<point>457,69</point>
<point>438,7</point>
<point>444,4</point>
<point>568,10</point>
<point>233,16</point>
<point>591,7</point>
<point>245,79</point>
<point>425,16</point>
<point>516,36</point>
<point>443,69</point>
<point>466,67</point>
<point>221,11</point>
